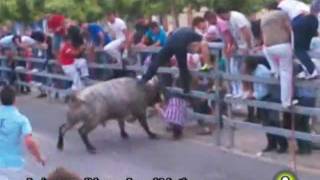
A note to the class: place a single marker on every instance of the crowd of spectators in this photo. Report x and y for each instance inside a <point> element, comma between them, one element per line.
<point>283,33</point>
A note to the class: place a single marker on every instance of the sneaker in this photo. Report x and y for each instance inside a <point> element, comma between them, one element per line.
<point>314,75</point>
<point>237,96</point>
<point>206,67</point>
<point>302,75</point>
<point>293,103</point>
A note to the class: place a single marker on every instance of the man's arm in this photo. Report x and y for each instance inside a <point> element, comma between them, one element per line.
<point>33,148</point>
<point>246,32</point>
<point>229,43</point>
<point>101,37</point>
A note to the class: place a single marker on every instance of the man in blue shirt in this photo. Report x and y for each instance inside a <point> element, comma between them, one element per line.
<point>96,34</point>
<point>155,36</point>
<point>15,130</point>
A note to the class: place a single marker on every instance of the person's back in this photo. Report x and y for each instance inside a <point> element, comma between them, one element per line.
<point>274,28</point>
<point>183,37</point>
<point>15,130</point>
<point>13,126</point>
<point>294,8</point>
<point>237,23</point>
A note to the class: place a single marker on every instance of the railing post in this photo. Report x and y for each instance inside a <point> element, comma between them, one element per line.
<point>218,104</point>
<point>316,119</point>
<point>292,144</point>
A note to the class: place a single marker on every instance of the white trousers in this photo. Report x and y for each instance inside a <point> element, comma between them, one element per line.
<point>114,49</point>
<point>280,58</point>
<point>77,71</point>
<point>234,69</point>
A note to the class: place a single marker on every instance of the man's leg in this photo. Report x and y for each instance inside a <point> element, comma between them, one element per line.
<point>286,75</point>
<point>81,64</point>
<point>71,71</point>
<point>271,61</point>
<point>184,72</point>
<point>305,59</point>
<point>302,125</point>
<point>269,118</point>
<point>113,48</point>
<point>158,60</point>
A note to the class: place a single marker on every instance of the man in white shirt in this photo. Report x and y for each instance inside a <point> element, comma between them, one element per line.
<point>294,8</point>
<point>240,29</point>
<point>120,36</point>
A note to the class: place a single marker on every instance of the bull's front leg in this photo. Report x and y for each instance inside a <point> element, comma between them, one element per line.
<point>123,132</point>
<point>84,131</point>
<point>143,121</point>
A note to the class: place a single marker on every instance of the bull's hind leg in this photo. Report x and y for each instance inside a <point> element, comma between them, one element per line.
<point>62,131</point>
<point>123,132</point>
<point>84,131</point>
<point>143,121</point>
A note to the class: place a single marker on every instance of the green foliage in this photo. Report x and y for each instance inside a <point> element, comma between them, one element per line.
<point>91,10</point>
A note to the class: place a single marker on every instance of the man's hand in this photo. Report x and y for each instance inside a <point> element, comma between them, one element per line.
<point>41,161</point>
<point>33,148</point>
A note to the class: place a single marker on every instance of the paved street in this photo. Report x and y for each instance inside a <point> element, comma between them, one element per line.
<point>138,157</point>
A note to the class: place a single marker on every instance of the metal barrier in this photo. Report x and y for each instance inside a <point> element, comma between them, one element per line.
<point>218,118</point>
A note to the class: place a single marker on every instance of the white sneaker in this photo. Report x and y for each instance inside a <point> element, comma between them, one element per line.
<point>237,96</point>
<point>34,70</point>
<point>302,75</point>
<point>293,103</point>
<point>314,75</point>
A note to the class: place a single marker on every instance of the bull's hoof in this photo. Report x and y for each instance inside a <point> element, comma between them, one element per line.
<point>60,146</point>
<point>124,135</point>
<point>92,150</point>
<point>153,136</point>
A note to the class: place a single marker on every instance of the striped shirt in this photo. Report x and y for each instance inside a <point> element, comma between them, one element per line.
<point>176,111</point>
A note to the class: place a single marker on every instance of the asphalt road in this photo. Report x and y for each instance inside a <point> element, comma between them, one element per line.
<point>138,157</point>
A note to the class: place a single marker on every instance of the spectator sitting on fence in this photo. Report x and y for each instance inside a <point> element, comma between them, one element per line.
<point>75,68</point>
<point>141,28</point>
<point>63,174</point>
<point>120,37</point>
<point>155,36</point>
<point>13,44</point>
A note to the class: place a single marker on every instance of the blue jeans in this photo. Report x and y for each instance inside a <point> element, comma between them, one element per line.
<point>305,59</point>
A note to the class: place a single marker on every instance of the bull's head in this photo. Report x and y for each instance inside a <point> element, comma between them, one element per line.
<point>153,91</point>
